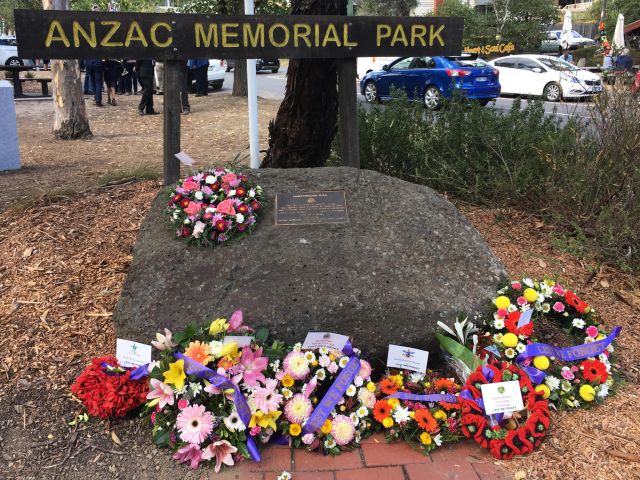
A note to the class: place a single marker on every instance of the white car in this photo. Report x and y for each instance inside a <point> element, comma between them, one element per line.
<point>215,73</point>
<point>544,76</point>
<point>372,64</point>
<point>575,39</point>
<point>9,53</point>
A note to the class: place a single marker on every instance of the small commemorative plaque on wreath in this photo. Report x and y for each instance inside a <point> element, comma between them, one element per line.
<point>311,208</point>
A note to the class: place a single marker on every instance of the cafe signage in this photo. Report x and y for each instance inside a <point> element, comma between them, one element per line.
<point>64,34</point>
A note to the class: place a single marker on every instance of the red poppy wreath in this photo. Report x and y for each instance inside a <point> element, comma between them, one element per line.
<point>517,433</point>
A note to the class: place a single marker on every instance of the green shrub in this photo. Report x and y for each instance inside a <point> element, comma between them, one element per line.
<point>585,175</point>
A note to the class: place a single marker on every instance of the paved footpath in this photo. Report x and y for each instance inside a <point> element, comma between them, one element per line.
<point>376,460</point>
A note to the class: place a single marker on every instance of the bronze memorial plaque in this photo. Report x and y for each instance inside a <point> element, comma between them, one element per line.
<point>311,208</point>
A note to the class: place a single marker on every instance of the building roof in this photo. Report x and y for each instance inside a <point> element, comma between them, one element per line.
<point>632,26</point>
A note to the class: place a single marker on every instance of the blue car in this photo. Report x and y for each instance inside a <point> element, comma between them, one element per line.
<point>431,79</point>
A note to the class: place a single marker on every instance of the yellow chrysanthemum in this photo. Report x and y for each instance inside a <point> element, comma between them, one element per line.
<point>510,340</point>
<point>541,363</point>
<point>175,375</point>
<point>425,438</point>
<point>587,393</point>
<point>371,387</point>
<point>218,326</point>
<point>440,415</point>
<point>543,388</point>
<point>326,427</point>
<point>387,422</point>
<point>530,295</point>
<point>295,429</point>
<point>398,379</point>
<point>287,381</point>
<point>502,302</point>
<point>394,402</point>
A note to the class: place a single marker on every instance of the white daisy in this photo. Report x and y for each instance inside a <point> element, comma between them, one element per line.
<point>343,362</point>
<point>329,443</point>
<point>578,323</point>
<point>354,418</point>
<point>498,324</point>
<point>234,423</point>
<point>309,356</point>
<point>323,351</point>
<point>528,282</point>
<point>362,412</point>
<point>321,374</point>
<point>401,414</point>
<point>603,391</point>
<point>286,393</point>
<point>437,440</point>
<point>520,347</point>
<point>546,308</point>
<point>351,391</point>
<point>497,338</point>
<point>297,347</point>
<point>552,382</point>
<point>509,352</point>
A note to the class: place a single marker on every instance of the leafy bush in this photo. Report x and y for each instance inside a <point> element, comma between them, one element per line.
<point>586,175</point>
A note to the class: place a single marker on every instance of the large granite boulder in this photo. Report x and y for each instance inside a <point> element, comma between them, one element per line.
<point>406,259</point>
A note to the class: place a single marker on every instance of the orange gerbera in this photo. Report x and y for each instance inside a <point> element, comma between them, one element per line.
<point>388,386</point>
<point>200,352</point>
<point>381,410</point>
<point>425,420</point>
<point>444,384</point>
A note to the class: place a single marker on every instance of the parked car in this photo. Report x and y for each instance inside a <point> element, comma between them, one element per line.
<point>9,53</point>
<point>272,64</point>
<point>545,76</point>
<point>370,64</point>
<point>552,43</point>
<point>431,79</point>
<point>215,73</point>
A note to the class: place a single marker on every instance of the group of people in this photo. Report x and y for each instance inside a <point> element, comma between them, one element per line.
<point>123,77</point>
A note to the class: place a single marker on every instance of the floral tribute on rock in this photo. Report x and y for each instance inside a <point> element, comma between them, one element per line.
<point>214,206</point>
<point>569,377</point>
<point>413,407</point>
<point>213,401</point>
<point>509,434</point>
<point>328,399</point>
<point>107,390</point>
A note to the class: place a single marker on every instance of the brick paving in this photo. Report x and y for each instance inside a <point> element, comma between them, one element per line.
<point>376,460</point>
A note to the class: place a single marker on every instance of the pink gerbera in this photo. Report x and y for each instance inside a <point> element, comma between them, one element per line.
<point>298,409</point>
<point>342,429</point>
<point>296,365</point>
<point>253,364</point>
<point>194,424</point>
<point>267,398</point>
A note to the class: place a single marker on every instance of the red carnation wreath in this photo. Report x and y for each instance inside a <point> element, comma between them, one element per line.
<point>519,434</point>
<point>106,389</point>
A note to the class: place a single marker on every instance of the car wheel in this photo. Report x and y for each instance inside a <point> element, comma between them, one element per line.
<point>216,85</point>
<point>371,92</point>
<point>14,62</point>
<point>552,92</point>
<point>432,98</point>
<point>274,70</point>
<point>228,68</point>
<point>483,103</point>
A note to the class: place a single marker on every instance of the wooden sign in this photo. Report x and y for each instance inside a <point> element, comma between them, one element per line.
<point>169,36</point>
<point>311,208</point>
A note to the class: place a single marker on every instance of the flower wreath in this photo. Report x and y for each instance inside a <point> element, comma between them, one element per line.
<point>305,379</point>
<point>107,390</point>
<point>211,400</point>
<point>518,433</point>
<point>566,384</point>
<point>214,206</point>
<point>427,423</point>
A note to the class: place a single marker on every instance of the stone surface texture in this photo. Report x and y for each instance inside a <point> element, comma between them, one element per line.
<point>406,259</point>
<point>9,149</point>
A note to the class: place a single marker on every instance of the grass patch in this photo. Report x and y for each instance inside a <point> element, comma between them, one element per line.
<point>122,175</point>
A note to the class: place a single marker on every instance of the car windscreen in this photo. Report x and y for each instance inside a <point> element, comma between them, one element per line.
<point>471,63</point>
<point>558,65</point>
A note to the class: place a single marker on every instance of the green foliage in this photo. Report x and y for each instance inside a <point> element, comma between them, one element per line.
<point>8,6</point>
<point>396,8</point>
<point>476,24</point>
<point>523,22</point>
<point>125,5</point>
<point>589,184</point>
<point>629,8</point>
<point>228,7</point>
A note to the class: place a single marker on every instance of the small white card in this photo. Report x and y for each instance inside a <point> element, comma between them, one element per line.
<point>329,340</point>
<point>184,158</point>
<point>241,340</point>
<point>406,358</point>
<point>525,318</point>
<point>132,354</point>
<point>502,397</point>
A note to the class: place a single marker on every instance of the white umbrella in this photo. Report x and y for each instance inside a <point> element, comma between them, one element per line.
<point>618,35</point>
<point>565,36</point>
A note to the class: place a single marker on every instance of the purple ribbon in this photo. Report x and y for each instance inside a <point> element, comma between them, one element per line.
<point>465,393</point>
<point>333,395</point>
<point>567,354</point>
<point>139,372</point>
<point>136,374</point>
<point>434,397</point>
<point>191,367</point>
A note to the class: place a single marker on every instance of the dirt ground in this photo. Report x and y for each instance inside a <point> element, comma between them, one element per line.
<point>64,262</point>
<point>124,143</point>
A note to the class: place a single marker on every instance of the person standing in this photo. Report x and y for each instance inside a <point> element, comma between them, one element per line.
<point>112,70</point>
<point>185,81</point>
<point>199,67</point>
<point>96,69</point>
<point>144,69</point>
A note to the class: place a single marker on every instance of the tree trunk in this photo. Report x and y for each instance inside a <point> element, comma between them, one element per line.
<point>240,79</point>
<point>304,128</point>
<point>69,113</point>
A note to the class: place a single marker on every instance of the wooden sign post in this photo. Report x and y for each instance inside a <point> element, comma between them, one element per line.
<point>173,38</point>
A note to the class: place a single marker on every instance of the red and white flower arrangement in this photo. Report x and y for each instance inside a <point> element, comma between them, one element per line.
<point>304,378</point>
<point>214,206</point>
<point>196,419</point>
<point>107,390</point>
